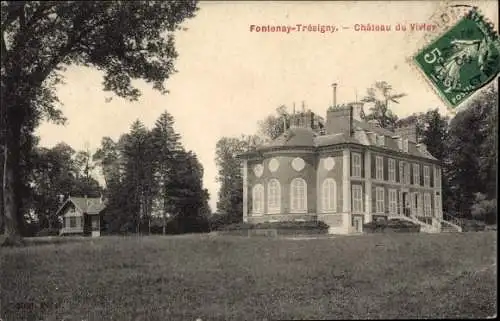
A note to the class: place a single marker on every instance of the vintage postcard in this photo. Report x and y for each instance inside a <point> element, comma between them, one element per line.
<point>248,160</point>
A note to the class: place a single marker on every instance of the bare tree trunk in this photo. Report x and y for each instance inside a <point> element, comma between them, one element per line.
<point>3,163</point>
<point>10,182</point>
<point>164,216</point>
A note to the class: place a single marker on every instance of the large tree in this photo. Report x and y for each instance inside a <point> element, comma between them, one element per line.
<point>471,157</point>
<point>54,176</point>
<point>230,202</point>
<point>380,94</point>
<point>275,124</point>
<point>167,146</point>
<point>124,39</point>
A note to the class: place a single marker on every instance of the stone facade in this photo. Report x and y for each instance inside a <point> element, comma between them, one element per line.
<point>346,173</point>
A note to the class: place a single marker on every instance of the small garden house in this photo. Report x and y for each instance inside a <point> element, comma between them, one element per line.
<point>81,216</point>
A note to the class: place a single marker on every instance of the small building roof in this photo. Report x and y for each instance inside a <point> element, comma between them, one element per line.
<point>88,205</point>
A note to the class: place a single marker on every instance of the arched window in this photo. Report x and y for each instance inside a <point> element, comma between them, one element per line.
<point>329,195</point>
<point>298,196</point>
<point>258,199</point>
<point>273,196</point>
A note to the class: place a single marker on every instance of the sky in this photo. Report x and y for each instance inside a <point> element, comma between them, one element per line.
<point>230,76</point>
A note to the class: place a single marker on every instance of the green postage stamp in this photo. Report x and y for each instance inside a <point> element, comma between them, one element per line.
<point>462,60</point>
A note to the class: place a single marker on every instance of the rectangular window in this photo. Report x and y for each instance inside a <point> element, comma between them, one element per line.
<point>416,174</point>
<point>405,145</point>
<point>420,210</point>
<point>437,177</point>
<point>356,165</point>
<point>357,198</point>
<point>400,203</point>
<point>407,173</point>
<point>95,223</point>
<point>72,221</point>
<point>401,171</point>
<point>427,176</point>
<point>392,170</point>
<point>380,140</point>
<point>427,205</point>
<point>379,197</point>
<point>379,168</point>
<point>393,201</point>
<point>413,205</point>
<point>437,205</point>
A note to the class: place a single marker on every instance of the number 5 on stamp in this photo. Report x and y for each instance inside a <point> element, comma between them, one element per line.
<point>462,60</point>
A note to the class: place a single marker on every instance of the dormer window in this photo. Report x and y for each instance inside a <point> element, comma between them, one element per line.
<point>405,145</point>
<point>380,140</point>
<point>400,142</point>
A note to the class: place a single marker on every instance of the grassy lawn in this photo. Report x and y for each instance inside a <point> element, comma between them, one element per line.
<point>231,278</point>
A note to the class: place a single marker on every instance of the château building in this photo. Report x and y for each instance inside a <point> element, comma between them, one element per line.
<point>344,172</point>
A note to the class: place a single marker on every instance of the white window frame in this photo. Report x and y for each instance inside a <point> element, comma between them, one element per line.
<point>405,145</point>
<point>407,173</point>
<point>416,174</point>
<point>427,176</point>
<point>427,205</point>
<point>437,205</point>
<point>413,204</point>
<point>401,172</point>
<point>379,200</point>
<point>356,165</point>
<point>298,195</point>
<point>420,210</point>
<point>329,196</point>
<point>357,200</point>
<point>393,201</point>
<point>379,168</point>
<point>258,199</point>
<point>400,203</point>
<point>273,201</point>
<point>391,164</point>
<point>437,177</point>
<point>380,140</point>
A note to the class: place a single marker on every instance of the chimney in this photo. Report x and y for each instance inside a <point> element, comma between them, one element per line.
<point>334,85</point>
<point>408,132</point>
<point>303,119</point>
<point>339,120</point>
<point>357,110</point>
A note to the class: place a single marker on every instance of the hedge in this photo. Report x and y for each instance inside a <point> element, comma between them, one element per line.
<point>398,226</point>
<point>287,225</point>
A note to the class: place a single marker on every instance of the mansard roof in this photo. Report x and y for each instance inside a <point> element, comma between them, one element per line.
<point>358,132</point>
<point>294,136</point>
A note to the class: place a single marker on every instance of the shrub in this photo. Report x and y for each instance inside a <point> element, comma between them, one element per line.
<point>484,209</point>
<point>393,225</point>
<point>473,226</point>
<point>48,232</point>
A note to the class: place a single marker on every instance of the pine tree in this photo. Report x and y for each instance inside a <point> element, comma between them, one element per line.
<point>167,147</point>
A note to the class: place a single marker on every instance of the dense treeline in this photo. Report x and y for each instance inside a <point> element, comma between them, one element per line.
<point>466,144</point>
<point>152,182</point>
<point>40,39</point>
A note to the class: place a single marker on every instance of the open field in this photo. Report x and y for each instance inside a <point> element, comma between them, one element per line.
<point>232,278</point>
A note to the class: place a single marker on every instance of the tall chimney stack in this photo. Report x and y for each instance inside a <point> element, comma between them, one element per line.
<point>334,85</point>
